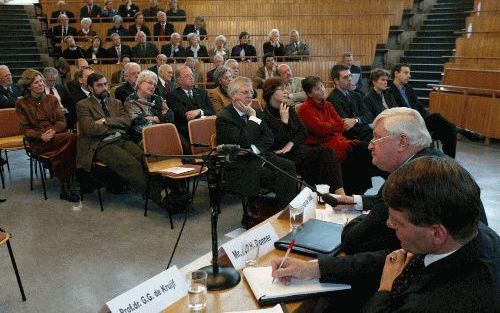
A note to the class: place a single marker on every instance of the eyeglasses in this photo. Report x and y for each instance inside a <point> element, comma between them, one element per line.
<point>373,141</point>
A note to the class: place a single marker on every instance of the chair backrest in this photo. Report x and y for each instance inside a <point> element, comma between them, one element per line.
<point>161,139</point>
<point>200,132</point>
<point>9,123</point>
<point>213,141</point>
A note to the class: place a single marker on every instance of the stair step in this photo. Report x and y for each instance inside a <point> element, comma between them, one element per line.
<point>455,2</point>
<point>422,92</point>
<point>457,7</point>
<point>449,10</point>
<point>20,50</point>
<point>26,40</point>
<point>22,65</point>
<point>428,67</point>
<point>450,16</point>
<point>434,39</point>
<point>422,83</point>
<point>426,75</point>
<point>437,33</point>
<point>459,22</point>
<point>15,21</point>
<point>432,46</point>
<point>452,28</point>
<point>430,53</point>
<point>423,60</point>
<point>16,27</point>
<point>19,57</point>
<point>16,72</point>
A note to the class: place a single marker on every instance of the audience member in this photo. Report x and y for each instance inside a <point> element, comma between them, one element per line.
<point>377,99</point>
<point>44,127</point>
<point>295,49</point>
<point>128,8</point>
<point>59,32</point>
<point>439,127</point>
<point>218,96</point>
<point>130,73</point>
<point>62,8</point>
<point>90,9</point>
<point>349,105</point>
<point>241,125</point>
<point>316,165</point>
<point>434,209</point>
<point>72,52</point>
<point>348,60</point>
<point>234,66</point>
<point>194,49</point>
<point>293,85</point>
<point>138,26</point>
<point>273,45</point>
<point>59,91</point>
<point>325,128</point>
<point>165,84</point>
<point>108,10</point>
<point>197,28</point>
<point>118,76</point>
<point>85,32</point>
<point>218,61</point>
<point>160,60</point>
<point>103,125</point>
<point>220,47</point>
<point>175,14</point>
<point>118,50</point>
<point>244,52</point>
<point>117,27</point>
<point>144,107</point>
<point>193,64</point>
<point>9,92</point>
<point>152,10</point>
<point>174,49</point>
<point>73,85</point>
<point>162,29</point>
<point>143,49</point>
<point>78,92</point>
<point>96,51</point>
<point>267,71</point>
<point>187,101</point>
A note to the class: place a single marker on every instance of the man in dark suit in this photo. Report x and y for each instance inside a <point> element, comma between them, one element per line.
<point>9,92</point>
<point>349,105</point>
<point>59,32</point>
<point>152,10</point>
<point>60,92</point>
<point>90,10</point>
<point>439,127</point>
<point>296,50</point>
<point>130,73</point>
<point>187,101</point>
<point>348,60</point>
<point>118,50</point>
<point>165,84</point>
<point>239,124</point>
<point>62,9</point>
<point>77,92</point>
<point>244,51</point>
<point>118,76</point>
<point>162,29</point>
<point>174,49</point>
<point>143,49</point>
<point>72,52</point>
<point>160,60</point>
<point>450,262</point>
<point>197,28</point>
<point>103,124</point>
<point>175,14</point>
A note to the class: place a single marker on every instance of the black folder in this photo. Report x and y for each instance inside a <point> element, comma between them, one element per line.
<point>314,237</point>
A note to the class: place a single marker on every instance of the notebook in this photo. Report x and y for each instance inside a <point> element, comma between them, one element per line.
<point>276,309</point>
<point>266,292</point>
<point>314,237</point>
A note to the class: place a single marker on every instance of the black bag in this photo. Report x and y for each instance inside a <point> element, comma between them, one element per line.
<point>259,209</point>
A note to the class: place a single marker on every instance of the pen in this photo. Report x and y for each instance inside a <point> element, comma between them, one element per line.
<point>290,247</point>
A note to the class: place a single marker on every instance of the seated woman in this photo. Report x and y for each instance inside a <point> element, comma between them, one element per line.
<point>220,47</point>
<point>377,100</point>
<point>85,33</point>
<point>144,107</point>
<point>117,27</point>
<point>325,128</point>
<point>44,127</point>
<point>218,96</point>
<point>95,51</point>
<point>138,26</point>
<point>194,49</point>
<point>128,8</point>
<point>317,165</point>
<point>273,45</point>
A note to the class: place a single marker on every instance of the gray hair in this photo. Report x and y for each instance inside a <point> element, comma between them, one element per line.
<point>127,66</point>
<point>4,67</point>
<point>117,18</point>
<point>347,55</point>
<point>146,74</point>
<point>221,71</point>
<point>405,121</point>
<point>273,31</point>
<point>294,31</point>
<point>62,15</point>
<point>176,35</point>
<point>50,70</point>
<point>161,13</point>
<point>192,35</point>
<point>200,18</point>
<point>218,56</point>
<point>86,20</point>
<point>141,33</point>
<point>236,84</point>
<point>164,67</point>
<point>178,70</point>
<point>114,34</point>
<point>221,37</point>
<point>229,62</point>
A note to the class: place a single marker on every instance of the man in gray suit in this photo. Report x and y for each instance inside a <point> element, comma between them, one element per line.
<point>296,50</point>
<point>293,85</point>
<point>144,49</point>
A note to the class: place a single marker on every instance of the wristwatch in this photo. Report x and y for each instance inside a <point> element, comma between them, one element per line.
<point>357,120</point>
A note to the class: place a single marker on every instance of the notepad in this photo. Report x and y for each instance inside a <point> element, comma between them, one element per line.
<point>266,292</point>
<point>275,309</point>
<point>177,170</point>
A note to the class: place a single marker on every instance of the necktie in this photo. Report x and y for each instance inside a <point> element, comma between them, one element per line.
<point>105,108</point>
<point>9,91</point>
<point>404,280</point>
<point>167,87</point>
<point>51,91</point>
<point>244,118</point>
<point>190,95</point>
<point>348,96</point>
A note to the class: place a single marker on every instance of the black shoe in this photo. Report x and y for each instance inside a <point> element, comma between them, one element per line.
<point>472,136</point>
<point>3,200</point>
<point>2,161</point>
<point>69,195</point>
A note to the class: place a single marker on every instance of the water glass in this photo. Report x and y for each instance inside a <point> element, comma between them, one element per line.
<point>296,217</point>
<point>197,290</point>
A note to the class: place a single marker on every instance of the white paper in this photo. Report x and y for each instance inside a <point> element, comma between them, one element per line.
<point>275,309</point>
<point>177,170</point>
<point>153,295</point>
<point>308,201</point>
<point>355,78</point>
<point>341,217</point>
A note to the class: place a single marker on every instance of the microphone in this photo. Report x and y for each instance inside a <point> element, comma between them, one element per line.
<point>331,200</point>
<point>228,148</point>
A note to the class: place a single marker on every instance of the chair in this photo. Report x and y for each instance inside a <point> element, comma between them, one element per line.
<point>5,238</point>
<point>164,140</point>
<point>200,133</point>
<point>43,163</point>
<point>11,137</point>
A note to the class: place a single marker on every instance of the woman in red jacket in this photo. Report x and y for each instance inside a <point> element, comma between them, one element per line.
<point>325,128</point>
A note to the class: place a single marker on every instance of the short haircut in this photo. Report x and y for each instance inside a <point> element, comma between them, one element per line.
<point>200,18</point>
<point>336,69</point>
<point>436,190</point>
<point>243,34</point>
<point>192,35</point>
<point>164,67</point>
<point>4,67</point>
<point>269,88</point>
<point>294,31</point>
<point>397,68</point>
<point>92,78</point>
<point>117,18</point>
<point>406,121</point>
<point>221,37</point>
<point>161,13</point>
<point>146,74</point>
<point>176,35</point>
<point>28,77</point>
<point>375,74</point>
<point>115,34</point>
<point>50,70</point>
<point>272,32</point>
<point>229,62</point>
<point>236,84</point>
<point>178,70</point>
<point>141,33</point>
<point>129,65</point>
<point>347,55</point>
<point>310,82</point>
<point>86,20</point>
<point>61,16</point>
<point>221,71</point>
<point>267,55</point>
<point>68,37</point>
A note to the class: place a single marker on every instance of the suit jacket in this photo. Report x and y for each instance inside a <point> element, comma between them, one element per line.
<point>190,29</point>
<point>180,53</point>
<point>117,77</point>
<point>132,31</point>
<point>122,10</point>
<point>179,16</point>
<point>162,92</point>
<point>101,53</point>
<point>352,109</point>
<point>202,53</point>
<point>150,51</point>
<point>295,92</point>
<point>412,98</point>
<point>357,70</point>
<point>260,76</point>
<point>373,102</point>
<point>296,53</point>
<point>218,99</point>
<point>54,15</point>
<point>89,110</point>
<point>94,12</point>
<point>69,54</point>
<point>122,31</point>
<point>125,51</point>
<point>249,52</point>
<point>179,102</point>
<point>8,100</point>
<point>169,29</point>
<point>123,91</point>
<point>277,51</point>
<point>56,35</point>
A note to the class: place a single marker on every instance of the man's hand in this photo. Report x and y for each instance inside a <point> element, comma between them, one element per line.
<point>191,115</point>
<point>99,121</point>
<point>284,115</point>
<point>395,262</point>
<point>285,149</point>
<point>164,110</point>
<point>48,135</point>
<point>294,268</point>
<point>349,123</point>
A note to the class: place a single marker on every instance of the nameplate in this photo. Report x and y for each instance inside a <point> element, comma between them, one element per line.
<point>307,200</point>
<point>244,247</point>
<point>153,295</point>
